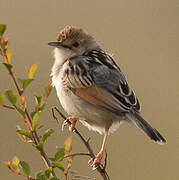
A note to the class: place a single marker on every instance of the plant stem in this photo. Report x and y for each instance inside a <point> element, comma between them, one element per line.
<point>8,107</point>
<point>100,168</point>
<point>37,140</point>
<point>73,155</point>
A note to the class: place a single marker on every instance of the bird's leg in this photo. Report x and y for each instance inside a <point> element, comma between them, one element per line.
<point>99,156</point>
<point>73,123</point>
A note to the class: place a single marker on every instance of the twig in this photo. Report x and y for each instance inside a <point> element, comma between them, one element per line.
<point>83,177</point>
<point>8,107</point>
<point>75,130</point>
<point>15,82</point>
<point>73,155</point>
<point>100,168</point>
<point>105,160</point>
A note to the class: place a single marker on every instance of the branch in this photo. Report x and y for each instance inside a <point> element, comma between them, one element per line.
<point>28,118</point>
<point>105,160</point>
<point>8,107</point>
<point>100,168</point>
<point>83,177</point>
<point>73,155</point>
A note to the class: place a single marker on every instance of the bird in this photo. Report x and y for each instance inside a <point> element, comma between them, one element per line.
<point>92,88</point>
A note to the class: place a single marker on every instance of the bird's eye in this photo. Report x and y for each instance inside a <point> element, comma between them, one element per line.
<point>75,44</point>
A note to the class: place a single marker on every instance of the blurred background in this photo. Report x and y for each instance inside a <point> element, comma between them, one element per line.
<point>143,37</point>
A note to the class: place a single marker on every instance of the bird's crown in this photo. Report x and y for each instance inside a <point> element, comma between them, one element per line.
<point>70,32</point>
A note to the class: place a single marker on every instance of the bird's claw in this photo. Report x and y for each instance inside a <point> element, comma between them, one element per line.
<point>64,124</point>
<point>94,163</point>
<point>72,125</point>
<point>90,161</point>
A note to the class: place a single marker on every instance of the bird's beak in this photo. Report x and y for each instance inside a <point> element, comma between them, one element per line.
<point>55,44</point>
<point>58,45</point>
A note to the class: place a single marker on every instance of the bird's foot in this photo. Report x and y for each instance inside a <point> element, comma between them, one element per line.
<point>72,125</point>
<point>96,162</point>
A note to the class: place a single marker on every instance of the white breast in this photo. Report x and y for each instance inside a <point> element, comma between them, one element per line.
<point>66,97</point>
<point>91,116</point>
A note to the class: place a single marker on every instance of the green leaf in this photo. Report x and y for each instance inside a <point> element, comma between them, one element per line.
<point>52,159</point>
<point>35,118</point>
<point>39,100</point>
<point>54,178</point>
<point>32,114</point>
<point>48,172</point>
<point>32,70</point>
<point>8,66</point>
<point>2,29</point>
<point>39,146</point>
<point>20,111</point>
<point>58,165</point>
<point>38,175</point>
<point>38,126</point>
<point>24,133</point>
<point>1,99</point>
<point>15,164</point>
<point>21,81</point>
<point>11,96</point>
<point>25,167</point>
<point>47,90</point>
<point>46,135</point>
<point>25,82</point>
<point>59,154</point>
<point>42,107</point>
<point>43,177</point>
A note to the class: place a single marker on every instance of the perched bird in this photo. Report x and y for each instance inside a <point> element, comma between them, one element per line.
<point>92,88</point>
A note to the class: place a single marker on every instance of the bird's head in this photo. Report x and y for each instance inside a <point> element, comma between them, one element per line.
<point>73,41</point>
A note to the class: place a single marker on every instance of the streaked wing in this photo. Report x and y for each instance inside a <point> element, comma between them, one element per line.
<point>96,78</point>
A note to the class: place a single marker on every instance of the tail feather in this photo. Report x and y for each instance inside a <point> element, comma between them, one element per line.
<point>136,119</point>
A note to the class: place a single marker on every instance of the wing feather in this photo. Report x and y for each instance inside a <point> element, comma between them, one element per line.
<point>101,84</point>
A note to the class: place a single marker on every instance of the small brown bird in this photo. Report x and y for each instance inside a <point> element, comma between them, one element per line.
<point>92,88</point>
